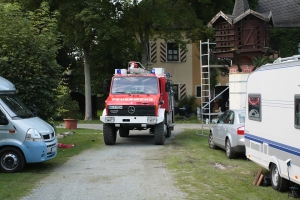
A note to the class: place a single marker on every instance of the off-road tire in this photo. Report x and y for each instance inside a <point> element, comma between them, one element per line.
<point>211,143</point>
<point>278,183</point>
<point>229,153</point>
<point>124,132</point>
<point>11,160</point>
<point>159,134</point>
<point>168,132</point>
<point>109,134</point>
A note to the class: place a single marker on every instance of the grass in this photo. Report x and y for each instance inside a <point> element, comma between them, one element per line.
<point>199,171</point>
<point>205,173</point>
<point>15,185</point>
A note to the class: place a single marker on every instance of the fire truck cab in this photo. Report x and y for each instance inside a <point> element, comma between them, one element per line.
<point>139,100</point>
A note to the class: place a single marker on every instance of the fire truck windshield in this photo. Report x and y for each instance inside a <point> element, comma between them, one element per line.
<point>134,85</point>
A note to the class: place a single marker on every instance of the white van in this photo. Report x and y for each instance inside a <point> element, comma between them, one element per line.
<point>24,138</point>
<point>272,124</point>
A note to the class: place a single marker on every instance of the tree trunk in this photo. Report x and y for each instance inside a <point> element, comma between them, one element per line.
<point>87,77</point>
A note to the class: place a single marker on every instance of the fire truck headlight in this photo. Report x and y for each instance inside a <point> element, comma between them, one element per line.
<point>109,119</point>
<point>151,120</point>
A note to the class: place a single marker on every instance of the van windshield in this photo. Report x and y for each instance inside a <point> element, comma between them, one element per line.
<point>14,106</point>
<point>134,85</point>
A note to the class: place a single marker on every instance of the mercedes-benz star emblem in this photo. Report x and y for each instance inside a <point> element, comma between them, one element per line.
<point>131,109</point>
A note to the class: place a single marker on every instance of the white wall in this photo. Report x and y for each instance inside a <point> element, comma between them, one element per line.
<point>237,90</point>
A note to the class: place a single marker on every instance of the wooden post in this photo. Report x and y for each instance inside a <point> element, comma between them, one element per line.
<point>260,180</point>
<point>257,177</point>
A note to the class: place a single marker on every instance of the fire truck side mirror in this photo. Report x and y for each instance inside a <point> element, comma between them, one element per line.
<point>168,86</point>
<point>105,87</point>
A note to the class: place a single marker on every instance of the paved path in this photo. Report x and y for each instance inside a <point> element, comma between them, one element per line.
<point>181,126</point>
<point>131,169</point>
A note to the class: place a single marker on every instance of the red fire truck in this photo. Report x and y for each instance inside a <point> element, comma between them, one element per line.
<point>138,100</point>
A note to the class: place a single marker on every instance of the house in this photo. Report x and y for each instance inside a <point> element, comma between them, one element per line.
<point>185,66</point>
<point>285,13</point>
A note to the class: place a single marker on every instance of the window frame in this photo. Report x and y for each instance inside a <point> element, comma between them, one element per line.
<point>254,107</point>
<point>176,91</point>
<point>196,89</point>
<point>297,97</point>
<point>170,52</point>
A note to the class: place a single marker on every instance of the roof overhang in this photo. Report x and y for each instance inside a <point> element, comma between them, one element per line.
<point>217,16</point>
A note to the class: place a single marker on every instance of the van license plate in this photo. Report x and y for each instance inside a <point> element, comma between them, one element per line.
<point>53,149</point>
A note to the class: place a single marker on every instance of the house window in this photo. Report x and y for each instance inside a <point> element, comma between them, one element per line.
<point>175,91</point>
<point>198,91</point>
<point>297,112</point>
<point>172,52</point>
<point>254,110</point>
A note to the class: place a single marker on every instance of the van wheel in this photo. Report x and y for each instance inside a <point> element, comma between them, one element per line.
<point>109,134</point>
<point>278,183</point>
<point>211,142</point>
<point>228,150</point>
<point>123,132</point>
<point>12,160</point>
<point>159,134</point>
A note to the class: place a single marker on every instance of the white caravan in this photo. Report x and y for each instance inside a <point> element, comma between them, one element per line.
<point>272,124</point>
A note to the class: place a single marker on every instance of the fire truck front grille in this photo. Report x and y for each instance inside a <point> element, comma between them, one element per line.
<point>133,111</point>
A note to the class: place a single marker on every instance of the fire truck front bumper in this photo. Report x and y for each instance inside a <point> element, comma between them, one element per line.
<point>147,120</point>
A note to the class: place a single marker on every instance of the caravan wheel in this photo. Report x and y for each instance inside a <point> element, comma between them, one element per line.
<point>278,183</point>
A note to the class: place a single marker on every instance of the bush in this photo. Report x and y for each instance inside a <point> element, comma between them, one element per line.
<point>68,108</point>
<point>189,100</point>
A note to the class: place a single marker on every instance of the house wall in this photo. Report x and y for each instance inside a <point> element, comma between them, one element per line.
<point>182,72</point>
<point>237,90</point>
<point>186,73</point>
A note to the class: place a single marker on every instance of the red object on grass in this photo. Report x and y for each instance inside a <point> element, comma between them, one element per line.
<point>61,145</point>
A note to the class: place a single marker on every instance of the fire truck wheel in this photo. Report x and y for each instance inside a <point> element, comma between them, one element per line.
<point>169,133</point>
<point>109,134</point>
<point>11,160</point>
<point>278,183</point>
<point>168,130</point>
<point>159,134</point>
<point>123,132</point>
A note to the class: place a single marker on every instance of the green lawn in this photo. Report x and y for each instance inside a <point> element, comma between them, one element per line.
<point>205,173</point>
<point>15,185</point>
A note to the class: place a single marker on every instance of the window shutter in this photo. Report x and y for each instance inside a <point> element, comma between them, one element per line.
<point>163,52</point>
<point>182,91</point>
<point>153,52</point>
<point>182,55</point>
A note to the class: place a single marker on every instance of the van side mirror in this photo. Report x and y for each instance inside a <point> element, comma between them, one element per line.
<point>168,86</point>
<point>3,119</point>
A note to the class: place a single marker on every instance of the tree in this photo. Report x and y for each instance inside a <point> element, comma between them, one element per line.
<point>166,19</point>
<point>29,43</point>
<point>80,23</point>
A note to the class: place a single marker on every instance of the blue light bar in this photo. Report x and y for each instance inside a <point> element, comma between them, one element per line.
<point>152,71</point>
<point>118,71</point>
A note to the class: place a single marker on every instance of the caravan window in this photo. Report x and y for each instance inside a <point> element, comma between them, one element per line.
<point>254,109</point>
<point>297,113</point>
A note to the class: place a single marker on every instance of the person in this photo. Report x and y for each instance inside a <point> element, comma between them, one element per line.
<point>227,105</point>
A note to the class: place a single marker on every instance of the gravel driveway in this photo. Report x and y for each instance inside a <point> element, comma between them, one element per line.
<point>131,169</point>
